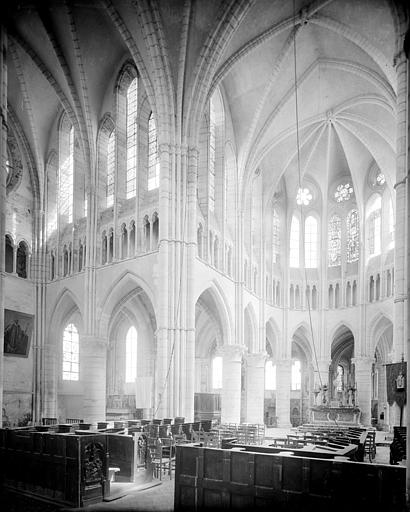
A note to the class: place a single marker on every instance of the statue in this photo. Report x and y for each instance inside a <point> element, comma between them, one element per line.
<point>324,394</point>
<point>351,396</point>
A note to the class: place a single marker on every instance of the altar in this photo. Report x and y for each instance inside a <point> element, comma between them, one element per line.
<point>340,415</point>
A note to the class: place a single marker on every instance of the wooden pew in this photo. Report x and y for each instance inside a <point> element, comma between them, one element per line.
<point>216,479</point>
<point>398,445</point>
<point>67,468</point>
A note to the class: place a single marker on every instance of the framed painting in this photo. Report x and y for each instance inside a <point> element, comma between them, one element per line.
<point>18,329</point>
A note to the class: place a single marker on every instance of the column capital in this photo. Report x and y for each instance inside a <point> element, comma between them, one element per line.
<point>362,362</point>
<point>285,361</point>
<point>233,352</point>
<point>256,360</point>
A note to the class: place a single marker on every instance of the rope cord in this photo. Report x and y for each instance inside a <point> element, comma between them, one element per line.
<point>302,217</point>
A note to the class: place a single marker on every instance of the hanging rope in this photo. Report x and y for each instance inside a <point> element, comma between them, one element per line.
<point>302,217</point>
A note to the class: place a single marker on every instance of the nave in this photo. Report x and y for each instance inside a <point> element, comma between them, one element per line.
<point>204,217</point>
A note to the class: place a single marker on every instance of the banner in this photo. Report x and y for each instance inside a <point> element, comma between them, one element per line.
<point>396,393</point>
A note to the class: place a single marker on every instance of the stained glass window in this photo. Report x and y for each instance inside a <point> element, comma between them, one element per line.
<point>311,242</point>
<point>131,355</point>
<point>270,376</point>
<point>212,154</point>
<point>334,241</point>
<point>373,224</point>
<point>343,192</point>
<point>296,376</point>
<point>304,196</point>
<point>380,179</point>
<point>71,352</point>
<point>132,101</point>
<point>110,169</point>
<point>375,232</point>
<point>352,225</point>
<point>153,160</point>
<point>275,237</point>
<point>66,171</point>
<point>294,242</point>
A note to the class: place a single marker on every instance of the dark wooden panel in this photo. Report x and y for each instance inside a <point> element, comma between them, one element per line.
<point>265,470</point>
<point>292,475</point>
<point>48,465</point>
<point>242,471</point>
<point>213,467</point>
<point>121,449</point>
<point>244,480</point>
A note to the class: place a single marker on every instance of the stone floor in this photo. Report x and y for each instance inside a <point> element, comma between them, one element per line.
<point>157,498</point>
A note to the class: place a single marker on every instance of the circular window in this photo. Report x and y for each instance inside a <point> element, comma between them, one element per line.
<point>304,196</point>
<point>343,192</point>
<point>380,179</point>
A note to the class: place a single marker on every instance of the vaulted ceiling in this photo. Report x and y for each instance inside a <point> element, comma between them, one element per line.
<point>337,54</point>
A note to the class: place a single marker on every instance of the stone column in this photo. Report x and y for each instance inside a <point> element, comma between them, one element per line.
<point>400,249</point>
<point>363,376</point>
<point>283,382</point>
<point>231,383</point>
<point>255,388</point>
<point>39,278</point>
<point>191,252</point>
<point>50,382</point>
<point>164,335</point>
<point>406,47</point>
<point>3,174</point>
<point>15,260</point>
<point>93,364</point>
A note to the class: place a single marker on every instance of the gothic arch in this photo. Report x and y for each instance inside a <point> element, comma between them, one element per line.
<point>301,338</point>
<point>273,337</point>
<point>379,337</point>
<point>342,345</point>
<point>214,298</point>
<point>250,329</point>
<point>66,305</point>
<point>127,287</point>
<point>341,326</point>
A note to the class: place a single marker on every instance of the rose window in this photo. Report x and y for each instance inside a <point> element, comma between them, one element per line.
<point>304,196</point>
<point>343,192</point>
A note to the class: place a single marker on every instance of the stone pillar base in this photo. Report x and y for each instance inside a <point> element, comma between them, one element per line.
<point>255,388</point>
<point>231,384</point>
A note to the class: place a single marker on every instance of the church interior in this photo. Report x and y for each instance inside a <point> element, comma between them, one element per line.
<point>204,212</point>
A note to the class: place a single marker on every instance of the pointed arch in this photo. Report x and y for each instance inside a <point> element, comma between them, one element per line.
<point>250,329</point>
<point>273,337</point>
<point>66,305</point>
<point>214,295</point>
<point>127,286</point>
<point>338,329</point>
<point>302,338</point>
<point>380,335</point>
